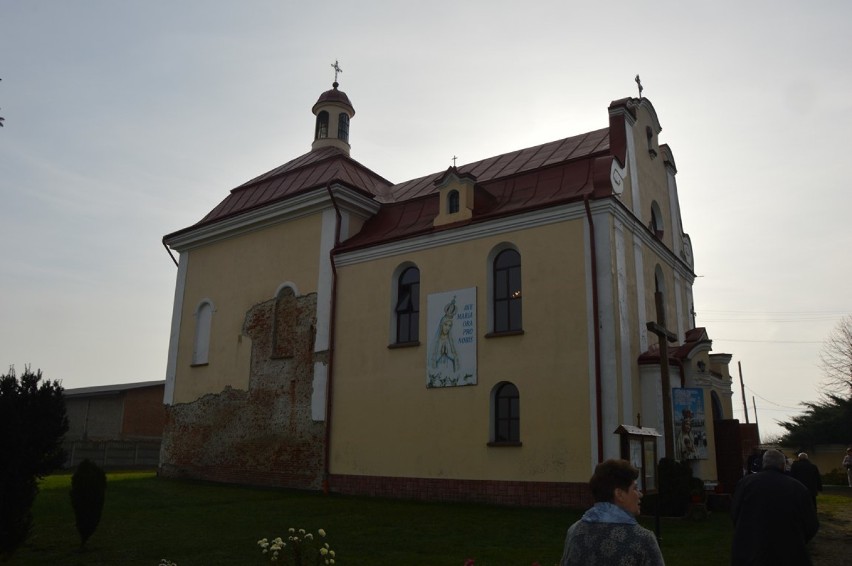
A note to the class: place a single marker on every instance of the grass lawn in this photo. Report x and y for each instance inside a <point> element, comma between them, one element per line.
<point>147,518</point>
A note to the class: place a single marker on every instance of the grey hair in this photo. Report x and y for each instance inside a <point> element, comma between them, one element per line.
<point>773,459</point>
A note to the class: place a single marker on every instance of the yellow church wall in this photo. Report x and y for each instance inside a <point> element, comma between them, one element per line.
<point>444,432</point>
<point>235,274</point>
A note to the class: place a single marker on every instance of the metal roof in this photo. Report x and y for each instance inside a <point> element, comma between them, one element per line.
<point>536,177</point>
<point>110,389</point>
<point>313,170</point>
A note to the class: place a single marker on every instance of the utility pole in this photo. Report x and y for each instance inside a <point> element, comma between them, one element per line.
<point>742,388</point>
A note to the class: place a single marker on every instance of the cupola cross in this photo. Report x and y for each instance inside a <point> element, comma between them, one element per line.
<point>639,84</point>
<point>454,161</point>
<point>337,69</point>
<point>665,336</point>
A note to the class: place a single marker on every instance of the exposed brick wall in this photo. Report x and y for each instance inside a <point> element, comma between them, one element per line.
<point>263,436</point>
<point>144,413</point>
<point>523,493</point>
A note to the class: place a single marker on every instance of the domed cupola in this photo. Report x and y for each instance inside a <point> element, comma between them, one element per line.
<point>333,111</point>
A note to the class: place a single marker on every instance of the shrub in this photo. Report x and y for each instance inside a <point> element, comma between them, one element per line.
<point>88,491</point>
<point>32,424</point>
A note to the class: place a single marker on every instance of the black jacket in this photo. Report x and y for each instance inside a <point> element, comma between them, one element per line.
<point>806,472</point>
<point>774,518</point>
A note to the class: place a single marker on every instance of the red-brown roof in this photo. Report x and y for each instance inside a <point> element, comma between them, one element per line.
<point>692,338</point>
<point>536,177</point>
<point>311,171</point>
<point>334,95</point>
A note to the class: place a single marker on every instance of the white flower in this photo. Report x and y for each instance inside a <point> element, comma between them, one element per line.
<point>321,532</point>
<point>309,536</point>
<point>323,551</point>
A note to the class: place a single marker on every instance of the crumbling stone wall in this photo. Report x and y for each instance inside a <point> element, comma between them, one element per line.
<point>263,436</point>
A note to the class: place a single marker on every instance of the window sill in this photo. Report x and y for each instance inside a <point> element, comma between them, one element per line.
<point>505,444</point>
<point>198,365</point>
<point>504,333</point>
<point>404,345</point>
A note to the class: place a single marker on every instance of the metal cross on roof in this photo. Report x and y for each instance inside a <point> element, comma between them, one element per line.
<point>337,69</point>
<point>454,160</point>
<point>639,84</point>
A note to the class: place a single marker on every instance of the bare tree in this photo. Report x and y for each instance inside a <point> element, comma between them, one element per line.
<point>836,357</point>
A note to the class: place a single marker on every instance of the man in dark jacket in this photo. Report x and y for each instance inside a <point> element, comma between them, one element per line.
<point>806,472</point>
<point>774,517</point>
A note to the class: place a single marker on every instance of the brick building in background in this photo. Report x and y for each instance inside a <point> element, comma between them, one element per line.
<point>115,425</point>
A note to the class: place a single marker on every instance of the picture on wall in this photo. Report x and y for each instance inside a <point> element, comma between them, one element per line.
<point>689,424</point>
<point>451,331</point>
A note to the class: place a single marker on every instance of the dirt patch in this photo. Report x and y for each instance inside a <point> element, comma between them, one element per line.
<point>832,546</point>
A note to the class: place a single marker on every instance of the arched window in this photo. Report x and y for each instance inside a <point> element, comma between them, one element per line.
<point>203,322</point>
<point>343,127</point>
<point>506,413</point>
<point>716,404</point>
<point>408,306</point>
<point>659,280</point>
<point>452,202</point>
<point>656,225</point>
<point>322,126</point>
<point>507,291</point>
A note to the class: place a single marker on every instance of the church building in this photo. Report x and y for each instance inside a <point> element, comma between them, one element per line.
<point>489,332</point>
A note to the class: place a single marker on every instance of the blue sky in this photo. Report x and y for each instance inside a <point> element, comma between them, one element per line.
<point>128,120</point>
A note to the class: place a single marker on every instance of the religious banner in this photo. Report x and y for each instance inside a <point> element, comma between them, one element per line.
<point>690,431</point>
<point>451,346</point>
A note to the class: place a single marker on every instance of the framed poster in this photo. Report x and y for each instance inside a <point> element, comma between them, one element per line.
<point>451,335</point>
<point>690,433</point>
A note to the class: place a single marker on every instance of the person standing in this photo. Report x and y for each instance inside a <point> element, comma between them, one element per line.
<point>608,532</point>
<point>808,473</point>
<point>773,516</point>
<point>847,465</point>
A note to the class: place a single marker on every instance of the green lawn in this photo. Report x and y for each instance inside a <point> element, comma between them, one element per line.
<point>191,523</point>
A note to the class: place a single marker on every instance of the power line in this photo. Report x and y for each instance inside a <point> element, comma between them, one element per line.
<point>769,341</point>
<point>756,394</point>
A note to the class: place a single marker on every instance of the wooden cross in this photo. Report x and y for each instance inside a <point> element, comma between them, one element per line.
<point>337,69</point>
<point>639,84</point>
<point>659,328</point>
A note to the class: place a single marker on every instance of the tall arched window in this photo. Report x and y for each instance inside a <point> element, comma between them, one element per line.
<point>203,322</point>
<point>343,127</point>
<point>507,291</point>
<point>452,202</point>
<point>408,306</point>
<point>507,413</point>
<point>322,125</point>
<point>716,404</point>
<point>656,225</point>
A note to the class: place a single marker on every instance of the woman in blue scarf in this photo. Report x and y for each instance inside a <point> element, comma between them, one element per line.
<point>608,534</point>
